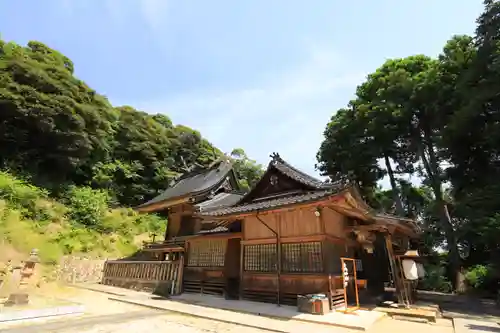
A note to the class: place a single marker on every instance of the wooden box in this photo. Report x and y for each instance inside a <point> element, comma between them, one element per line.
<point>307,304</point>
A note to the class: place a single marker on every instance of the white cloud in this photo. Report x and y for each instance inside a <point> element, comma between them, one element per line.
<point>286,113</point>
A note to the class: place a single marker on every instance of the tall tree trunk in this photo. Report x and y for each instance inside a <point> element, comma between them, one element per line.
<point>395,189</point>
<point>432,170</point>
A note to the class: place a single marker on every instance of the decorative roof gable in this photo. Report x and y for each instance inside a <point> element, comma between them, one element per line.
<point>282,178</point>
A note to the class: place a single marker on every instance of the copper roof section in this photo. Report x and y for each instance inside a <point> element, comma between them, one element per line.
<point>219,200</point>
<point>193,183</point>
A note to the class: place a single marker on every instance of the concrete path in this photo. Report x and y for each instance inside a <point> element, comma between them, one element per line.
<point>359,319</point>
<point>199,316</point>
<point>79,324</point>
<point>245,313</point>
<point>463,325</point>
<point>232,317</point>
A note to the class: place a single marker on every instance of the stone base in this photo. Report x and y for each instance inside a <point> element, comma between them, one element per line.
<point>17,299</point>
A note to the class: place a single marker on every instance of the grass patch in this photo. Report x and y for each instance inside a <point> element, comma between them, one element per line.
<point>81,222</point>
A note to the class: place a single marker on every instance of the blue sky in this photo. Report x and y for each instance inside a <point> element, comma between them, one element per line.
<point>261,75</point>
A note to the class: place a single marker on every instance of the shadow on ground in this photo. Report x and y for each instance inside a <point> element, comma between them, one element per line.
<point>473,309</point>
<point>483,328</point>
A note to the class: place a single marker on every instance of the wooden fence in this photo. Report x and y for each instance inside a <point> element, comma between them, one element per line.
<point>160,277</point>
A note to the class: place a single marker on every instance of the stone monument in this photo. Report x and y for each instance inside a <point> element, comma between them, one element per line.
<point>20,279</point>
<point>5,279</point>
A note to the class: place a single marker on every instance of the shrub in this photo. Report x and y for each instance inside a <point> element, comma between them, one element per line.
<point>83,223</point>
<point>152,223</point>
<point>87,206</point>
<point>28,199</point>
<point>481,277</point>
<point>435,279</point>
<point>18,192</point>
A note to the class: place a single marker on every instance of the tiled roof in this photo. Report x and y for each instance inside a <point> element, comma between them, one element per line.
<point>272,203</point>
<point>298,175</point>
<point>220,229</point>
<point>193,184</point>
<point>219,200</point>
<point>317,190</point>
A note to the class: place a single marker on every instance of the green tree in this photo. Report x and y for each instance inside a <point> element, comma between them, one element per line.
<point>247,170</point>
<point>51,123</point>
<point>348,152</point>
<point>59,132</point>
<point>472,138</point>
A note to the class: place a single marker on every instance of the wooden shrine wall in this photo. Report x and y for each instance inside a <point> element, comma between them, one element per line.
<point>293,223</point>
<point>334,222</point>
<point>179,215</point>
<point>311,248</point>
<point>204,270</point>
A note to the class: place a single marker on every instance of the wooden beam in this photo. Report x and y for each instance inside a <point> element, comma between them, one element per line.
<point>164,249</point>
<point>367,227</point>
<point>293,239</point>
<point>291,207</point>
<point>161,205</point>
<point>226,235</point>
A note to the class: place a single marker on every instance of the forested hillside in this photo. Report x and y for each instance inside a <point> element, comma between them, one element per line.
<point>68,157</point>
<point>59,132</point>
<point>438,119</point>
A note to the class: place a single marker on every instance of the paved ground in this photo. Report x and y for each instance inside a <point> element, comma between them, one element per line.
<point>153,321</point>
<point>136,322</point>
<point>103,316</point>
<point>106,316</point>
<point>475,326</point>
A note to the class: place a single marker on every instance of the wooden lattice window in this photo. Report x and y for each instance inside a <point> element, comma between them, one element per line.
<point>260,258</point>
<point>301,257</point>
<point>193,254</point>
<point>209,253</point>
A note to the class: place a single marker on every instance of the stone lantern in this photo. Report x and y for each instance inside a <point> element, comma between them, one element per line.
<point>21,276</point>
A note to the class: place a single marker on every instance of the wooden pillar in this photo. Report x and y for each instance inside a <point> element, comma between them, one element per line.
<point>278,253</point>
<point>180,282</point>
<point>278,238</point>
<point>398,283</point>
<point>375,267</point>
<point>278,245</point>
<point>242,258</point>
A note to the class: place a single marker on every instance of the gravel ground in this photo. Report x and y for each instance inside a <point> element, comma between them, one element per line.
<point>107,316</point>
<point>171,323</point>
<point>156,322</point>
<point>135,322</point>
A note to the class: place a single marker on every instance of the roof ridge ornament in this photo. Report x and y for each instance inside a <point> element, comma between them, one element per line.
<point>275,158</point>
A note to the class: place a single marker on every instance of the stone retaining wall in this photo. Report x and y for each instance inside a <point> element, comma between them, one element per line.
<point>72,269</point>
